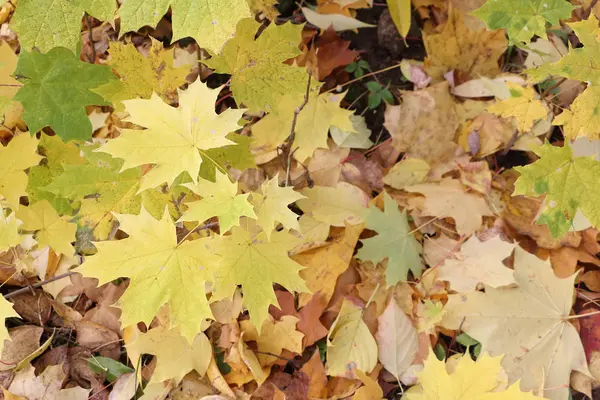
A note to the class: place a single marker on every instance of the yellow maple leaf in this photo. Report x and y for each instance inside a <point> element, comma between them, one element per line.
<point>350,344</point>
<point>256,263</point>
<point>259,77</point>
<point>312,125</point>
<point>219,199</point>
<point>9,86</point>
<point>583,119</point>
<point>52,230</point>
<point>265,7</point>
<point>370,389</point>
<point>335,205</point>
<point>456,47</point>
<point>9,231</point>
<point>18,155</point>
<point>481,379</point>
<point>528,324</point>
<point>161,272</point>
<point>141,76</point>
<point>175,137</point>
<point>175,356</point>
<point>273,337</point>
<point>523,105</point>
<point>272,205</point>
<point>6,311</point>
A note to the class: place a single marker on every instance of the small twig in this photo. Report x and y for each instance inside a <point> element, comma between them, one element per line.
<point>42,283</point>
<point>551,88</point>
<point>510,143</point>
<point>9,85</point>
<point>199,227</point>
<point>287,146</point>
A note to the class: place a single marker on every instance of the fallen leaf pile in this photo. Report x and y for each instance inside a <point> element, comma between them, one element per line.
<point>330,199</point>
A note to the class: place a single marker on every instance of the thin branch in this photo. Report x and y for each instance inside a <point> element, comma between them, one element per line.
<point>287,147</point>
<point>9,85</point>
<point>36,285</point>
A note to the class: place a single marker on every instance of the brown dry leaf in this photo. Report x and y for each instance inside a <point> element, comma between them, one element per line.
<point>310,324</point>
<point>45,386</point>
<point>274,337</point>
<point>315,370</point>
<point>470,53</point>
<point>477,176</point>
<point>424,125</point>
<point>325,264</point>
<point>370,389</point>
<point>564,261</point>
<point>437,250</point>
<point>24,340</point>
<point>478,263</point>
<point>325,166</point>
<point>450,199</point>
<point>493,133</point>
<point>373,287</point>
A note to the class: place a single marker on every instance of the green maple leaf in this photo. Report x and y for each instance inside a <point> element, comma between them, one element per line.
<point>44,24</point>
<point>568,182</point>
<point>210,22</point>
<point>161,272</point>
<point>236,156</point>
<point>393,241</point>
<point>57,87</point>
<point>256,264</point>
<point>523,18</point>
<point>258,75</point>
<point>219,199</point>
<point>58,154</point>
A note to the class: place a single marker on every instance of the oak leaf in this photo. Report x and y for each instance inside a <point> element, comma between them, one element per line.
<point>529,324</point>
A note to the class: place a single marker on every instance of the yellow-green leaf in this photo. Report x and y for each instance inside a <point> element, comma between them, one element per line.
<point>17,156</point>
<point>523,105</point>
<point>400,12</point>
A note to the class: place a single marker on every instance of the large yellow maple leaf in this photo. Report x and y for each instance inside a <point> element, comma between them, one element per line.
<point>528,324</point>
<point>18,155</point>
<point>256,263</point>
<point>521,105</point>
<point>312,124</point>
<point>259,78</point>
<point>175,137</point>
<point>140,76</point>
<point>481,379</point>
<point>161,272</point>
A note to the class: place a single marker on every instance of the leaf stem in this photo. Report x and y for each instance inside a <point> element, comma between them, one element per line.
<point>581,315</point>
<point>36,285</point>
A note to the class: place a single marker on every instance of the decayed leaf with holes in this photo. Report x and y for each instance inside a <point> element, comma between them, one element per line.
<point>161,272</point>
<point>274,336</point>
<point>192,127</point>
<point>528,324</point>
<point>175,356</point>
<point>45,24</point>
<point>350,344</point>
<point>450,199</point>
<point>521,105</point>
<point>17,156</point>
<point>470,53</point>
<point>478,262</point>
<point>9,86</point>
<point>207,21</point>
<point>245,257</point>
<point>523,18</point>
<point>312,126</point>
<point>569,183</point>
<point>141,76</point>
<point>52,230</point>
<point>481,379</point>
<point>219,199</point>
<point>394,241</point>
<point>56,88</point>
<point>258,76</point>
<point>272,204</point>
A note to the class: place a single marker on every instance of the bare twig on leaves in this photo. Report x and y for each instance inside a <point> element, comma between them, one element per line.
<point>286,148</point>
<point>36,285</point>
